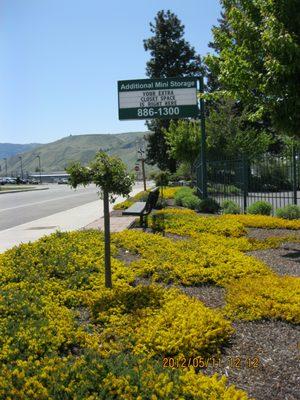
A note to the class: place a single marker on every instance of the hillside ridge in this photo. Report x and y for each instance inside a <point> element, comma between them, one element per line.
<point>55,156</point>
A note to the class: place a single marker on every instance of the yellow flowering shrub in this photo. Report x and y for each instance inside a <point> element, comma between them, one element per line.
<point>187,384</point>
<point>189,262</point>
<point>170,191</point>
<point>269,296</point>
<point>123,377</point>
<point>63,335</point>
<point>262,221</point>
<point>188,223</point>
<point>153,321</point>
<point>173,330</point>
<point>212,389</point>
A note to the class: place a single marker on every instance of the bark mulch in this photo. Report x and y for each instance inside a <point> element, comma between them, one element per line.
<point>284,261</point>
<point>272,347</point>
<point>275,345</point>
<point>126,256</point>
<point>261,233</point>
<point>211,295</point>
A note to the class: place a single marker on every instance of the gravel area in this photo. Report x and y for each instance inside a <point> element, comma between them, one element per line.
<point>271,345</point>
<point>284,261</point>
<point>210,295</point>
<point>261,234</point>
<point>126,256</point>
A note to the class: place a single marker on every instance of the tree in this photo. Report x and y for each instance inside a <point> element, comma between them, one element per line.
<point>229,133</point>
<point>171,56</point>
<point>258,59</point>
<point>110,176</point>
<point>184,140</point>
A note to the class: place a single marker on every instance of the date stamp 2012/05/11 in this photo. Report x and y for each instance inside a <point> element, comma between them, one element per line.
<point>214,362</point>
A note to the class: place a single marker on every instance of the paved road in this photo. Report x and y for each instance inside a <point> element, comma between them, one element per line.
<point>28,216</point>
<point>19,208</point>
<point>23,207</point>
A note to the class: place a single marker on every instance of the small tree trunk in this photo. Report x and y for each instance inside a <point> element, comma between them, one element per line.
<point>108,282</point>
<point>144,174</point>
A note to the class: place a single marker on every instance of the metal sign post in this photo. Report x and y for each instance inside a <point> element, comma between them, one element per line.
<point>203,140</point>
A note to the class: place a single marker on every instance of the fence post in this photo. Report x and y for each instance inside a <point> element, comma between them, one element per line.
<point>294,166</point>
<point>245,181</point>
<point>203,140</point>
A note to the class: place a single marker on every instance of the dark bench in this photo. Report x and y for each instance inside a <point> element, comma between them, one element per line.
<point>143,208</point>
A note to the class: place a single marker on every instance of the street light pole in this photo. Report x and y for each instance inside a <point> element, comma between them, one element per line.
<point>40,166</point>
<point>20,158</point>
<point>39,157</point>
<point>5,159</point>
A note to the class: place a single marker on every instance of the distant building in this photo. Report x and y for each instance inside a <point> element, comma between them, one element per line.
<point>51,177</point>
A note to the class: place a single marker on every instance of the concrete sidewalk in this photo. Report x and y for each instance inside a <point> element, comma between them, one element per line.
<point>117,222</point>
<point>72,219</point>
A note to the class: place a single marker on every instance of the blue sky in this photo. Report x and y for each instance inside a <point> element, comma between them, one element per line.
<point>61,60</point>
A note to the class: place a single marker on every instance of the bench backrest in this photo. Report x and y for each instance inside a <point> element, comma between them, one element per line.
<point>151,200</point>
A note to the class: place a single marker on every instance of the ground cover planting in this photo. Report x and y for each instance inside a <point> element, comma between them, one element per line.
<point>60,327</point>
<point>262,221</point>
<point>63,335</point>
<point>167,193</point>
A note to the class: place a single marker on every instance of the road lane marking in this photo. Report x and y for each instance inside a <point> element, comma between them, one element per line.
<point>42,202</point>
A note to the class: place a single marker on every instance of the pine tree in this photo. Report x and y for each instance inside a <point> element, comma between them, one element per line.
<point>171,56</point>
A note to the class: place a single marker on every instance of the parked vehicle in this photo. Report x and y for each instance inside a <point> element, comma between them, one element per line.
<point>9,180</point>
<point>63,181</point>
<point>33,181</point>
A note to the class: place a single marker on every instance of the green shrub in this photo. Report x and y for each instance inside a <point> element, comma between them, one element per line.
<point>191,201</point>
<point>230,207</point>
<point>221,188</point>
<point>288,212</point>
<point>161,178</point>
<point>161,203</point>
<point>181,193</point>
<point>260,207</point>
<point>158,222</point>
<point>209,205</point>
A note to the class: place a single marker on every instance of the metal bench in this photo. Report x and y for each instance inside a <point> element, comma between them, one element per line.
<point>143,208</point>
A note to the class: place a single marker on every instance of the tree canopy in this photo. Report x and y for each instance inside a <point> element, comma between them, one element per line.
<point>108,173</point>
<point>171,56</point>
<point>258,59</point>
<point>184,140</point>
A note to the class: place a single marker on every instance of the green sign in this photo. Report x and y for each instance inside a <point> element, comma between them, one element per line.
<point>168,98</point>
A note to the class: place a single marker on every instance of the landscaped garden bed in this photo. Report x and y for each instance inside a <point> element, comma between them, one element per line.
<point>190,294</point>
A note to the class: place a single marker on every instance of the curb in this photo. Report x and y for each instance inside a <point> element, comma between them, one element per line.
<point>22,190</point>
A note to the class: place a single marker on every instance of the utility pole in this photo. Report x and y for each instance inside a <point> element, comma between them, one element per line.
<point>5,159</point>
<point>142,159</point>
<point>40,168</point>
<point>21,163</point>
